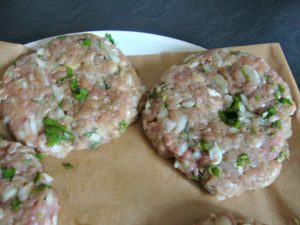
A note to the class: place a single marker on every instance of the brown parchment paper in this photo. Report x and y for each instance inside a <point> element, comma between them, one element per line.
<point>126,182</point>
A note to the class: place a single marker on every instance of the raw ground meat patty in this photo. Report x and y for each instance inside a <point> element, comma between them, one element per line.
<point>77,92</point>
<point>224,117</point>
<point>26,197</point>
<point>228,219</point>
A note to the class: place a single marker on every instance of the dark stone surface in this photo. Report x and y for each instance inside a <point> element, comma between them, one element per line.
<point>213,23</point>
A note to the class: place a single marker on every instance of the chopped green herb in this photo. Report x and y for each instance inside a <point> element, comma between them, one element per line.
<point>280,156</point>
<point>69,75</point>
<point>78,93</point>
<point>8,173</point>
<point>56,132</point>
<point>242,158</point>
<point>68,165</point>
<point>87,42</point>
<point>69,71</point>
<point>110,38</point>
<point>214,170</point>
<point>153,93</point>
<point>285,101</point>
<point>273,149</point>
<point>88,134</point>
<point>39,156</point>
<point>15,205</point>
<point>122,126</point>
<point>94,144</point>
<point>246,76</point>
<point>257,97</point>
<point>296,221</point>
<point>269,112</point>
<point>276,124</point>
<point>165,103</point>
<point>281,88</point>
<point>267,77</point>
<point>100,45</point>
<point>204,145</point>
<point>253,131</point>
<point>62,37</point>
<point>40,188</point>
<point>37,177</point>
<point>230,115</point>
<point>194,177</point>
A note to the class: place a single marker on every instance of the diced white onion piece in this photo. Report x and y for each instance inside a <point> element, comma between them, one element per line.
<point>245,120</point>
<point>217,60</point>
<point>129,79</point>
<point>95,137</point>
<point>54,220</point>
<point>177,164</point>
<point>24,192</point>
<point>1,213</point>
<point>206,67</point>
<point>40,62</point>
<point>8,194</point>
<point>60,113</point>
<point>49,198</point>
<point>253,75</point>
<point>58,92</point>
<point>147,105</point>
<point>182,148</point>
<point>213,93</point>
<point>222,220</point>
<point>40,51</point>
<point>228,101</point>
<point>244,99</point>
<point>112,54</point>
<point>169,125</point>
<point>181,124</point>
<point>273,118</point>
<point>258,143</point>
<point>197,77</point>
<point>193,65</point>
<point>215,155</point>
<point>31,76</point>
<point>47,178</point>
<point>188,103</point>
<point>242,107</point>
<point>163,113</point>
<point>24,84</point>
<point>196,155</point>
<point>6,119</point>
<point>221,82</point>
<point>33,125</point>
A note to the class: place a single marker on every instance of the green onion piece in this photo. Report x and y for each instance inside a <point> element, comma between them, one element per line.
<point>203,145</point>
<point>15,205</point>
<point>285,101</point>
<point>276,124</point>
<point>100,45</point>
<point>37,177</point>
<point>246,76</point>
<point>280,157</point>
<point>257,97</point>
<point>69,72</point>
<point>296,221</point>
<point>69,75</point>
<point>68,165</point>
<point>153,93</point>
<point>122,126</point>
<point>86,42</point>
<point>281,88</point>
<point>8,173</point>
<point>267,77</point>
<point>40,188</point>
<point>56,132</point>
<point>269,112</point>
<point>242,158</point>
<point>194,177</point>
<point>39,156</point>
<point>106,85</point>
<point>78,93</point>
<point>110,38</point>
<point>214,170</point>
<point>230,116</point>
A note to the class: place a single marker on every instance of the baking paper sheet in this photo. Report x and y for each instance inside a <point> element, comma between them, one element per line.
<point>126,182</point>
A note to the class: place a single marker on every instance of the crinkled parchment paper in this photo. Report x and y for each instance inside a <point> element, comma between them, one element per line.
<point>126,182</point>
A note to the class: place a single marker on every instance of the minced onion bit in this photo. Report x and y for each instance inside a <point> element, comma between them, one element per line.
<point>8,173</point>
<point>56,132</point>
<point>242,158</point>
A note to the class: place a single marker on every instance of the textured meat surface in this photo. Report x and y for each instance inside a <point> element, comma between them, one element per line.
<point>26,195</point>
<point>226,219</point>
<point>82,82</point>
<point>224,117</point>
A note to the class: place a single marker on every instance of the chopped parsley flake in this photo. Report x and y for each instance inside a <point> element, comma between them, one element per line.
<point>122,126</point>
<point>194,177</point>
<point>204,145</point>
<point>67,165</point>
<point>39,156</point>
<point>242,158</point>
<point>15,205</point>
<point>153,93</point>
<point>276,124</point>
<point>56,132</point>
<point>87,42</point>
<point>100,45</point>
<point>69,75</point>
<point>267,77</point>
<point>214,170</point>
<point>8,173</point>
<point>78,93</point>
<point>109,37</point>
<point>285,101</point>
<point>280,157</point>
<point>37,177</point>
<point>40,188</point>
<point>269,112</point>
<point>281,88</point>
<point>230,115</point>
<point>246,76</point>
<point>257,97</point>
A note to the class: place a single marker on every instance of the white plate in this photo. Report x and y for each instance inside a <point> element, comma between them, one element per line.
<point>137,43</point>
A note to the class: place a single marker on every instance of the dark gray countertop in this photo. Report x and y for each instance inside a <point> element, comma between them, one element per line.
<point>213,23</point>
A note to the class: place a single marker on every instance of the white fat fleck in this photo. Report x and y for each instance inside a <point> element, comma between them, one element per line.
<point>169,125</point>
<point>182,148</point>
<point>40,51</point>
<point>181,124</point>
<point>57,92</point>
<point>24,192</point>
<point>60,113</point>
<point>213,93</point>
<point>8,194</point>
<point>253,74</point>
<point>258,143</point>
<point>95,97</point>
<point>215,155</point>
<point>193,65</point>
<point>188,103</point>
<point>47,178</point>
